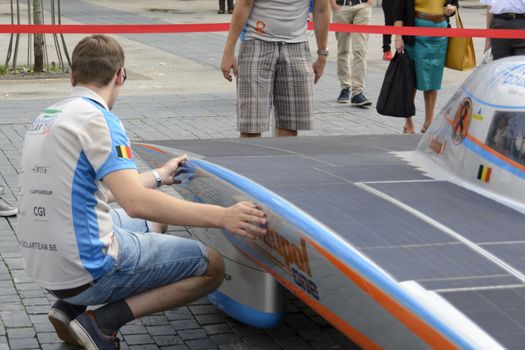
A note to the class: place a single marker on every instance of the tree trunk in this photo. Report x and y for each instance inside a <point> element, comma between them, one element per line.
<point>39,38</point>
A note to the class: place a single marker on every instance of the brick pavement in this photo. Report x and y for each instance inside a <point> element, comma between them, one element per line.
<point>175,91</point>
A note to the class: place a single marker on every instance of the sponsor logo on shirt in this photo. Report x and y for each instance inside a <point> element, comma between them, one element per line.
<point>38,245</point>
<point>42,125</point>
<point>38,169</point>
<point>39,211</point>
<point>124,152</point>
<point>259,27</point>
<point>41,192</point>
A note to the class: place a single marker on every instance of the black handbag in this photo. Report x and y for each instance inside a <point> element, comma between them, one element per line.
<point>396,98</point>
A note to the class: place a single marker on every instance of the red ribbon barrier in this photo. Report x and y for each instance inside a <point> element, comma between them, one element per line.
<point>223,27</point>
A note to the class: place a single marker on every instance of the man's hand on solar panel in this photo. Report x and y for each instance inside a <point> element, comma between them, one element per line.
<point>245,219</point>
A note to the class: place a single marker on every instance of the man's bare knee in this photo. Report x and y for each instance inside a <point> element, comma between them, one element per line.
<point>159,227</point>
<point>215,266</point>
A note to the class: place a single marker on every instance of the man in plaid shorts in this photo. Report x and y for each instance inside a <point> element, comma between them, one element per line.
<point>275,68</point>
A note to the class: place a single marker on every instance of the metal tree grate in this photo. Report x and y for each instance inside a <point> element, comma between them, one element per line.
<point>37,43</point>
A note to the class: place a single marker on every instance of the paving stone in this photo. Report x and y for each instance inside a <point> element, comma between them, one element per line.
<point>16,318</point>
<point>9,302</point>
<point>48,337</point>
<point>301,323</point>
<point>155,320</point>
<point>161,330</point>
<point>7,291</point>
<point>23,332</point>
<point>176,347</point>
<point>181,325</point>
<point>244,330</point>
<point>57,346</point>
<point>182,313</point>
<point>133,329</point>
<point>201,344</point>
<point>45,327</point>
<point>202,309</point>
<point>258,340</point>
<point>31,294</point>
<point>192,334</point>
<point>326,344</point>
<point>292,343</point>
<point>210,318</point>
<point>220,328</point>
<point>39,318</point>
<point>281,331</point>
<point>223,339</point>
<point>36,310</point>
<point>164,340</point>
<point>14,263</point>
<point>138,339</point>
<point>143,347</point>
<point>23,343</point>
<point>41,301</point>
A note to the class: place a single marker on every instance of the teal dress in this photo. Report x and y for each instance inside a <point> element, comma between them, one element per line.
<point>429,55</point>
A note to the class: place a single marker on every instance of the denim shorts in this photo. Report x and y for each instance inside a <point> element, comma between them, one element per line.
<point>146,261</point>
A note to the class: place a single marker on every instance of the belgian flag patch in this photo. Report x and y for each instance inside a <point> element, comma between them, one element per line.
<point>484,173</point>
<point>124,152</point>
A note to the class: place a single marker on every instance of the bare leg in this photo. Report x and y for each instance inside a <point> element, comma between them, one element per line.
<point>157,227</point>
<point>409,124</point>
<point>246,134</point>
<point>181,292</point>
<point>285,132</point>
<point>430,97</point>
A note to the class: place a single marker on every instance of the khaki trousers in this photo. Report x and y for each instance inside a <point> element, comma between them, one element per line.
<point>352,76</point>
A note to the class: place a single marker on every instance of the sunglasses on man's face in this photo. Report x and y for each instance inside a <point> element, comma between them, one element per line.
<point>125,75</point>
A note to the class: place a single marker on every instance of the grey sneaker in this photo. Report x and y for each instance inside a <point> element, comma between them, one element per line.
<point>360,100</point>
<point>7,209</point>
<point>344,96</point>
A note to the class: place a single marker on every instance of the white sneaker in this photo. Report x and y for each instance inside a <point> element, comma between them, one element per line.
<point>7,209</point>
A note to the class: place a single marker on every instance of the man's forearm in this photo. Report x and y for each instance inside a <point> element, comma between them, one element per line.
<point>321,22</point>
<point>239,18</point>
<point>160,207</point>
<point>146,178</point>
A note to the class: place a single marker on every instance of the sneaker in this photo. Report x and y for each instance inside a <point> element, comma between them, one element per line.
<point>360,100</point>
<point>344,96</point>
<point>7,209</point>
<point>387,56</point>
<point>60,315</point>
<point>90,336</point>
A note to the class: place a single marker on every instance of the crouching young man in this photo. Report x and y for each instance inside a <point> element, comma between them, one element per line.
<point>77,158</point>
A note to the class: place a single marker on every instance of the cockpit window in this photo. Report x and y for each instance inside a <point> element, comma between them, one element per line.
<point>507,135</point>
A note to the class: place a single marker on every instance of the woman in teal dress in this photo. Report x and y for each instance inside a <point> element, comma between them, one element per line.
<point>428,53</point>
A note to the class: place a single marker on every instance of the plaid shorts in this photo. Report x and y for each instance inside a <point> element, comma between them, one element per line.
<point>279,75</point>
